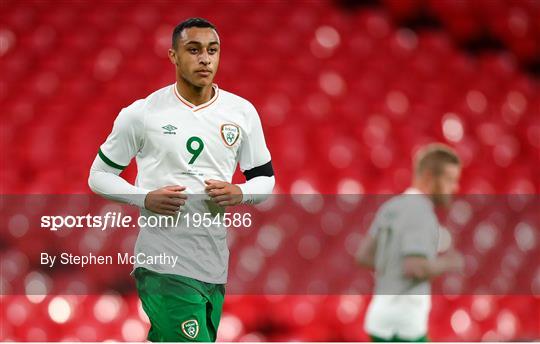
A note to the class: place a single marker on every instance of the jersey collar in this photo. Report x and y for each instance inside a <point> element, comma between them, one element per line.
<point>193,107</point>
<point>414,191</point>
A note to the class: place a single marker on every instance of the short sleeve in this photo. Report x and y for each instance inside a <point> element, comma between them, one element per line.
<point>126,138</point>
<point>420,233</point>
<point>253,151</point>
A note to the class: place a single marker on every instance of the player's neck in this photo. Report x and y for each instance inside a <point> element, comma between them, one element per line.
<point>418,185</point>
<point>195,95</point>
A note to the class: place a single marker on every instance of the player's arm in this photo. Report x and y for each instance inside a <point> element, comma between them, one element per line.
<point>125,140</point>
<point>366,252</point>
<point>419,243</point>
<point>106,181</point>
<point>421,268</point>
<point>256,165</point>
<point>252,191</point>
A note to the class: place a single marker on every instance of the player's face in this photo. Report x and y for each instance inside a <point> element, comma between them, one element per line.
<point>197,56</point>
<point>446,184</point>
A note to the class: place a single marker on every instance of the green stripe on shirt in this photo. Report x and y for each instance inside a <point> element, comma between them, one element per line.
<point>109,161</point>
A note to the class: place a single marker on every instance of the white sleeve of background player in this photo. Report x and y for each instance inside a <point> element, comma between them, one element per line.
<point>122,144</point>
<point>253,154</point>
<point>105,180</point>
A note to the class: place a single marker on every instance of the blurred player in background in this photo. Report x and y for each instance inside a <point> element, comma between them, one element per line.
<point>402,246</point>
<point>187,139</point>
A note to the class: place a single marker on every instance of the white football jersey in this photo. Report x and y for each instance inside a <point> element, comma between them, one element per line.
<point>177,143</point>
<point>404,225</point>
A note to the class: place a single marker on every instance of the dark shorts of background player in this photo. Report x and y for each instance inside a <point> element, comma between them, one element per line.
<point>180,309</point>
<point>399,339</point>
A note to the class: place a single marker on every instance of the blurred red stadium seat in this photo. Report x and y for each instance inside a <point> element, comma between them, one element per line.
<point>342,96</point>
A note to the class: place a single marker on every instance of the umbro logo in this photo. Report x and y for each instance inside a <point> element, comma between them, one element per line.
<point>169,129</point>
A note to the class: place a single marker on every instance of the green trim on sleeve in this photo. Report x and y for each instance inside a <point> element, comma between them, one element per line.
<point>419,255</point>
<point>397,338</point>
<point>109,161</point>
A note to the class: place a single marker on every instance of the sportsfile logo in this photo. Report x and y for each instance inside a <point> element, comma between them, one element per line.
<point>116,220</point>
<point>169,129</point>
<point>113,220</point>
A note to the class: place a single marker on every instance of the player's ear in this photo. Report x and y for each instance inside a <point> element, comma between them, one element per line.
<point>172,56</point>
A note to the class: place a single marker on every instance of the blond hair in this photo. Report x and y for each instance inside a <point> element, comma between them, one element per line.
<point>433,157</point>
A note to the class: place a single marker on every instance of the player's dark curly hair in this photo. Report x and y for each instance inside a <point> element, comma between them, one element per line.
<point>191,22</point>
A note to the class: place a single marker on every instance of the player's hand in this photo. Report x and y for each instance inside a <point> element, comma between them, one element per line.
<point>455,262</point>
<point>166,201</point>
<point>223,193</point>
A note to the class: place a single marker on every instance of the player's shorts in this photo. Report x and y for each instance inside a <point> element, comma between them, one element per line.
<point>180,309</point>
<point>398,339</point>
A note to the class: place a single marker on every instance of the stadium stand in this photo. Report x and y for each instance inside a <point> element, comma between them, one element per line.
<point>345,94</point>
